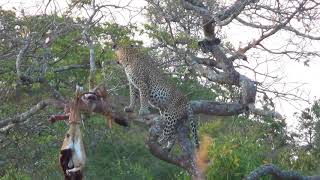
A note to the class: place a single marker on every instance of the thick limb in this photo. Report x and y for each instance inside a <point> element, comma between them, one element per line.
<point>133,97</point>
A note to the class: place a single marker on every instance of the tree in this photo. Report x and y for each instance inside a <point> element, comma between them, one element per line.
<point>174,28</point>
<point>309,126</point>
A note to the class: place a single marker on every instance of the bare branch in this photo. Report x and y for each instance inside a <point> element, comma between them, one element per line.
<point>70,67</point>
<point>273,31</point>
<point>221,18</point>
<point>20,57</point>
<point>88,39</point>
<point>97,102</point>
<point>32,111</point>
<point>91,59</point>
<point>267,27</point>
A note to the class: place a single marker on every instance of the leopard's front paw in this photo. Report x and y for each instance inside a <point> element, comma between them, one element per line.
<point>144,111</point>
<point>128,109</point>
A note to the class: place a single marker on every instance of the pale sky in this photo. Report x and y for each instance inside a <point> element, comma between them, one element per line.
<point>289,70</point>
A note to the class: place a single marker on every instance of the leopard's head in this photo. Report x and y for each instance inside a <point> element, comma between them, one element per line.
<point>126,52</point>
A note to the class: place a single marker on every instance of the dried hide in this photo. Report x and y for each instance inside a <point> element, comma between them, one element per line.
<point>72,155</point>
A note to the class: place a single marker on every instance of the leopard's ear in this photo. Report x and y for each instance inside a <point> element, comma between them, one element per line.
<point>114,46</point>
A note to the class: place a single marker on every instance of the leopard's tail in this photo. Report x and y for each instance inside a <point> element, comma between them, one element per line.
<point>193,126</point>
<point>202,154</point>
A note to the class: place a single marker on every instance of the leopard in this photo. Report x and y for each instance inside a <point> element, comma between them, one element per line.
<point>148,81</point>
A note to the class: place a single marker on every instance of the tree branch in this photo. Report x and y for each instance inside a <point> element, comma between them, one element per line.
<point>70,67</point>
<point>273,31</point>
<point>277,173</point>
<point>221,18</point>
<point>187,158</point>
<point>228,109</point>
<point>288,28</point>
<point>23,78</point>
<point>20,57</point>
<point>91,58</point>
<point>89,23</point>
<point>32,111</point>
<point>228,76</point>
<point>95,101</point>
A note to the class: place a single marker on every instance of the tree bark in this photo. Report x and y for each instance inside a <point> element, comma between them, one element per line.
<point>277,173</point>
